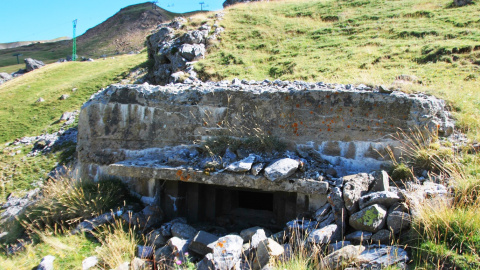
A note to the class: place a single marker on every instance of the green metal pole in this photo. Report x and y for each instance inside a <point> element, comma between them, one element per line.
<point>74,49</point>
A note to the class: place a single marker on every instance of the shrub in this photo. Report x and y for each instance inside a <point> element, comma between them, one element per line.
<point>67,201</point>
<point>118,244</point>
<point>401,172</point>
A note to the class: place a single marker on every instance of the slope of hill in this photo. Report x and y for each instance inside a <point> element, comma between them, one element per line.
<point>363,41</point>
<point>123,32</point>
<point>11,45</point>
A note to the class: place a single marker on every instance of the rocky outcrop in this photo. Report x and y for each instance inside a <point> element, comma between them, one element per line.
<point>174,52</point>
<point>32,64</point>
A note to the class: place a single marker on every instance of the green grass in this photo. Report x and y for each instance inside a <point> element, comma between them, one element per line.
<point>20,115</point>
<point>69,252</point>
<point>370,42</point>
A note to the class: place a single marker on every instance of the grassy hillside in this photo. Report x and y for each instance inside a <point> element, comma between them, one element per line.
<point>20,115</point>
<point>121,33</point>
<point>360,41</point>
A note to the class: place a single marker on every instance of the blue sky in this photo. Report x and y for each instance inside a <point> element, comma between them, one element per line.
<point>26,20</point>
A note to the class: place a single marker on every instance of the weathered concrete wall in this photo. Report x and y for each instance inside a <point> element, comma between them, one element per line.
<point>348,126</point>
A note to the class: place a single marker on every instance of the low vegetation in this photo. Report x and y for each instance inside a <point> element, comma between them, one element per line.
<point>21,114</point>
<point>374,42</point>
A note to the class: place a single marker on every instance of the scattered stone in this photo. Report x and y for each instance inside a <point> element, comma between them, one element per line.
<point>46,263</point>
<point>370,219</point>
<point>380,182</point>
<point>89,262</point>
<point>39,100</point>
<point>163,252</point>
<point>123,266</point>
<point>385,198</point>
<point>14,207</point>
<point>145,251</point>
<point>338,245</point>
<point>32,64</point>
<point>156,239</point>
<point>340,213</point>
<point>226,254</point>
<point>5,77</point>
<point>257,238</point>
<point>248,233</point>
<point>341,258</point>
<point>383,236</point>
<point>178,245</point>
<point>323,212</point>
<point>398,221</point>
<point>200,243</point>
<point>257,168</point>
<point>279,237</point>
<point>267,250</point>
<point>281,169</point>
<point>183,231</point>
<point>64,97</point>
<point>329,219</point>
<point>166,228</point>
<point>358,237</point>
<point>384,90</point>
<point>243,165</point>
<point>399,206</point>
<point>92,224</point>
<point>236,81</point>
<point>380,257</point>
<point>324,235</point>
<point>301,225</point>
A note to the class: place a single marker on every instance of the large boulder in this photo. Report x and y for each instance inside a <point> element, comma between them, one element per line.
<point>243,165</point>
<point>324,235</point>
<point>370,219</point>
<point>183,231</point>
<point>200,243</point>
<point>267,251</point>
<point>398,221</point>
<point>355,186</point>
<point>341,258</point>
<point>31,64</point>
<point>380,181</point>
<point>248,233</point>
<point>385,198</point>
<point>192,52</point>
<point>226,254</point>
<point>380,257</point>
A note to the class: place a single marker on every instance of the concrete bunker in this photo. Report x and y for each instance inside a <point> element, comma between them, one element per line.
<point>149,137</point>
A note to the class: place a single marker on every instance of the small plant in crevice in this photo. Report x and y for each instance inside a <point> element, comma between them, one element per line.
<point>423,150</point>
